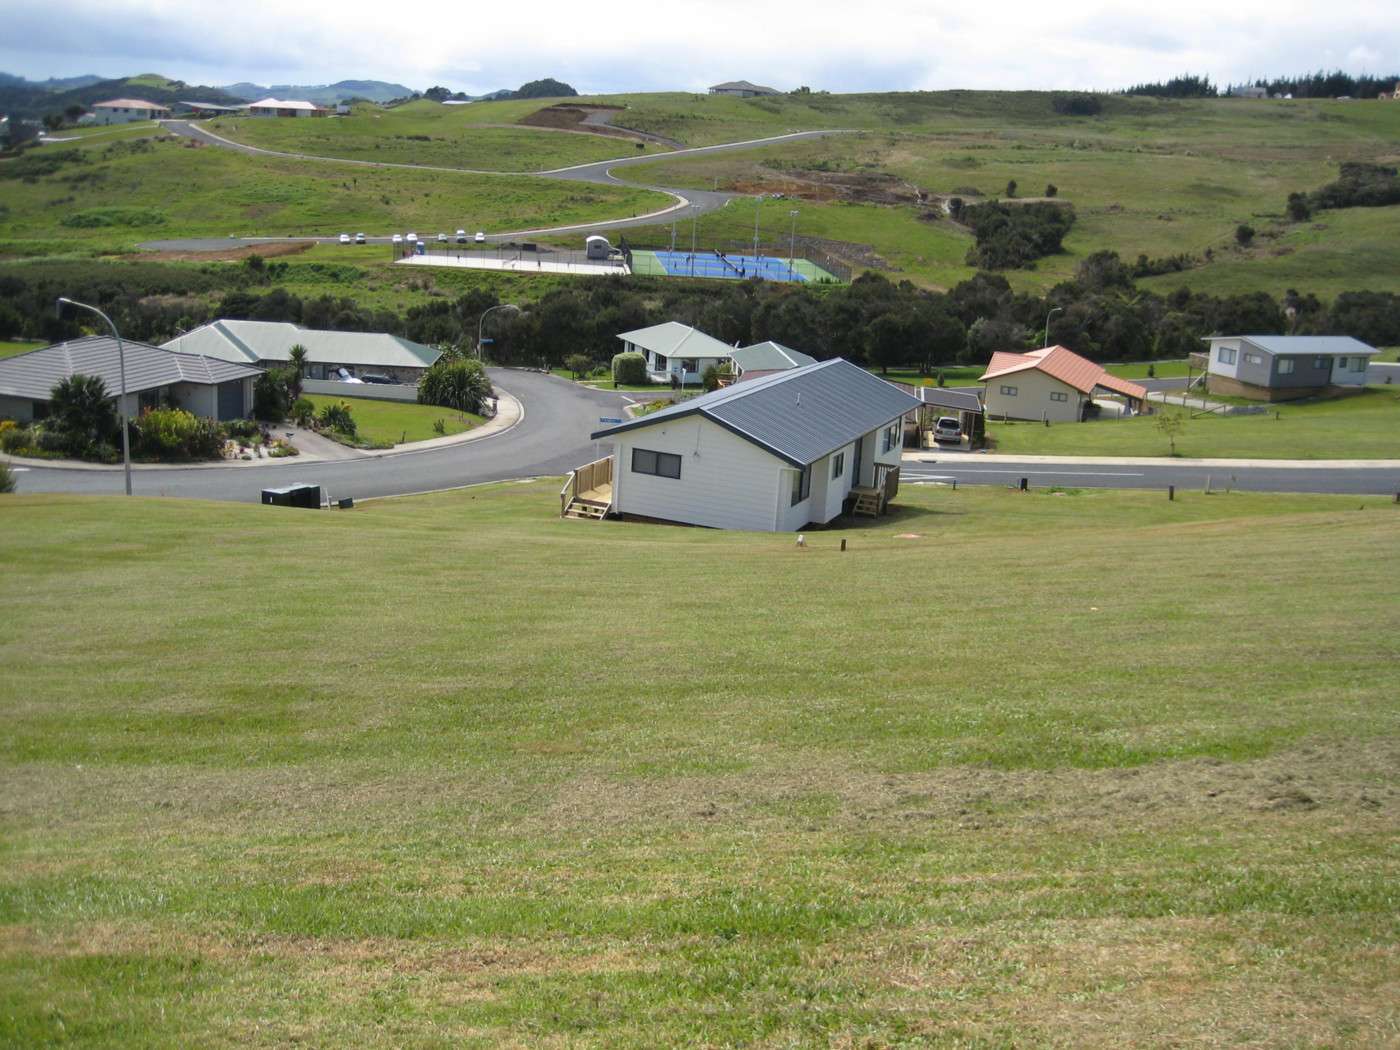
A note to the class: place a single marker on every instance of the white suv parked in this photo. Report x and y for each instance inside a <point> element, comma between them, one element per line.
<point>948,430</point>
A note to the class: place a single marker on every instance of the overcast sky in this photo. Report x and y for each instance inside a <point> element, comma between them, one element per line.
<point>629,45</point>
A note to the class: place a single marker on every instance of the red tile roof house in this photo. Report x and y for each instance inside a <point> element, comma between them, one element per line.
<point>1052,384</point>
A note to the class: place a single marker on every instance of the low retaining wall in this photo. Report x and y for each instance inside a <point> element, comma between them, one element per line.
<point>371,391</point>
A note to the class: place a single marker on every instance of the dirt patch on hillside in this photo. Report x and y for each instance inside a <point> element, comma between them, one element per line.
<point>866,187</point>
<point>267,251</point>
<point>591,120</point>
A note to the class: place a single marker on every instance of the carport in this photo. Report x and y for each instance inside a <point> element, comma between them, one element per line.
<point>936,401</point>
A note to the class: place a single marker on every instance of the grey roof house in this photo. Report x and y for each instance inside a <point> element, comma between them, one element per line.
<point>202,385</point>
<point>762,359</point>
<point>1286,367</point>
<point>742,89</point>
<point>327,353</point>
<point>772,454</point>
<point>675,351</point>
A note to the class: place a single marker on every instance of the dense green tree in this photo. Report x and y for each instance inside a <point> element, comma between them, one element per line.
<point>83,409</point>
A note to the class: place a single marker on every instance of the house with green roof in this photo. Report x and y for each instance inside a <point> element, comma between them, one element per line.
<point>329,355</point>
<point>763,359</point>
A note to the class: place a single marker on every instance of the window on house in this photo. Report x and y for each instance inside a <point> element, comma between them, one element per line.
<point>1358,364</point>
<point>690,365</point>
<point>1285,366</point>
<point>1009,391</point>
<point>838,465</point>
<point>889,437</point>
<point>1319,363</point>
<point>1342,363</point>
<point>801,485</point>
<point>1227,355</point>
<point>660,464</point>
<point>1253,359</point>
<point>1058,395</point>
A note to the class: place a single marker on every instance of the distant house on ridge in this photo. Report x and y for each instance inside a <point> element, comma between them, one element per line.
<point>742,89</point>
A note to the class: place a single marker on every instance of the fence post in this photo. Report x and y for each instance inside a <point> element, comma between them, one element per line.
<point>1171,492</point>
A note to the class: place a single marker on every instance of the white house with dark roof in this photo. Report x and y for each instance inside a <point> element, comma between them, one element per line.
<point>205,386</point>
<point>127,111</point>
<point>269,343</point>
<point>772,455</point>
<point>676,351</point>
<point>1285,367</point>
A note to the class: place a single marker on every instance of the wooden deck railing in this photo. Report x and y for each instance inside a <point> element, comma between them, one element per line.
<point>585,479</point>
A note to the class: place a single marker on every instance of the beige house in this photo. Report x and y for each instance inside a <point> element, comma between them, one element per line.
<point>127,111</point>
<point>1053,384</point>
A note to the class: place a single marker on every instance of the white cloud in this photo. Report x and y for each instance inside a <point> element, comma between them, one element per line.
<point>839,45</point>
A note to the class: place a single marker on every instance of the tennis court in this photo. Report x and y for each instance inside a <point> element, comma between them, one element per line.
<point>725,267</point>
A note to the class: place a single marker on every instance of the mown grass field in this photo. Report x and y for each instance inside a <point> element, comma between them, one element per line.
<point>481,136</point>
<point>1366,426</point>
<point>520,781</point>
<point>394,422</point>
<point>134,192</point>
<point>1152,177</point>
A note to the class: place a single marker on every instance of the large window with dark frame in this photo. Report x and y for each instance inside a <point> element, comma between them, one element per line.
<point>801,485</point>
<point>838,465</point>
<point>659,464</point>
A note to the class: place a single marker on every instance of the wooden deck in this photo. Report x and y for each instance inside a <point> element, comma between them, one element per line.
<point>588,491</point>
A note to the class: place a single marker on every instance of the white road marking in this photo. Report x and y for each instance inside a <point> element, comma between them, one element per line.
<point>1056,473</point>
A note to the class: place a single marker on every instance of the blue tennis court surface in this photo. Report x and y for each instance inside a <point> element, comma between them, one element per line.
<point>734,267</point>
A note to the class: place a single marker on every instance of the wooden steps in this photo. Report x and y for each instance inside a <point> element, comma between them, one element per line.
<point>588,510</point>
<point>868,502</point>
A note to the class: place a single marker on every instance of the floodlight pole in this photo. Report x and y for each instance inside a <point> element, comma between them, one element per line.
<point>482,320</point>
<point>792,245</point>
<point>694,221</point>
<point>758,201</point>
<point>121,370</point>
<point>1053,311</point>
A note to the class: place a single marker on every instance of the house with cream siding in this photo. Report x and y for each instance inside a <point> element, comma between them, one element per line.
<point>773,454</point>
<point>1053,384</point>
<point>127,111</point>
<point>676,352</point>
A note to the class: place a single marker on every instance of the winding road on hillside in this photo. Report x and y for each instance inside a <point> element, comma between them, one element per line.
<point>552,439</point>
<point>599,172</point>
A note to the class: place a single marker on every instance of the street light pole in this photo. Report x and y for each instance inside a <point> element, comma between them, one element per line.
<point>1053,311</point>
<point>482,320</point>
<point>121,369</point>
<point>694,220</point>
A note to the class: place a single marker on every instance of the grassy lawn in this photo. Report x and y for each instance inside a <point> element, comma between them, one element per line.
<point>953,375</point>
<point>1363,427</point>
<point>1138,370</point>
<point>247,804</point>
<point>127,193</point>
<point>21,347</point>
<point>476,136</point>
<point>395,422</point>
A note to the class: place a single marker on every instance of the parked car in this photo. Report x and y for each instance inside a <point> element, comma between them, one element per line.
<point>372,377</point>
<point>359,238</point>
<point>344,238</point>
<point>442,238</point>
<point>461,236</point>
<point>947,430</point>
<point>411,238</point>
<point>398,238</point>
<point>480,237</point>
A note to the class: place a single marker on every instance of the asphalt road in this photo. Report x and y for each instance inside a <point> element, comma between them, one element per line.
<point>600,172</point>
<point>1000,470</point>
<point>551,439</point>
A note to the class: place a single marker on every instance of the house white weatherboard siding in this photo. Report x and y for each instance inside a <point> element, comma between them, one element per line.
<point>772,454</point>
<point>675,351</point>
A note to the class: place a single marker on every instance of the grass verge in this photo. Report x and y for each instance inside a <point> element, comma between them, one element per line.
<point>384,423</point>
<point>249,805</point>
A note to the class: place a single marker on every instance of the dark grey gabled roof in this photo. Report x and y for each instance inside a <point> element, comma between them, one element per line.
<point>799,415</point>
<point>34,374</point>
<point>955,400</point>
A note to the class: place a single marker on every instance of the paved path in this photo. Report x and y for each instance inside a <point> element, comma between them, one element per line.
<point>600,172</point>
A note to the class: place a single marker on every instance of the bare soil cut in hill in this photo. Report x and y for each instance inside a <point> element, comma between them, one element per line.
<point>591,120</point>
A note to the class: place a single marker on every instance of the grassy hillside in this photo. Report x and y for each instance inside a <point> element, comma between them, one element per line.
<point>480,136</point>
<point>1150,177</point>
<point>119,195</point>
<point>529,782</point>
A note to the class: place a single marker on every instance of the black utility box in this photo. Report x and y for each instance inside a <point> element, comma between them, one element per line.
<point>293,496</point>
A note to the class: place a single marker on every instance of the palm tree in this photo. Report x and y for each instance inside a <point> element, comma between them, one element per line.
<point>296,357</point>
<point>83,408</point>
